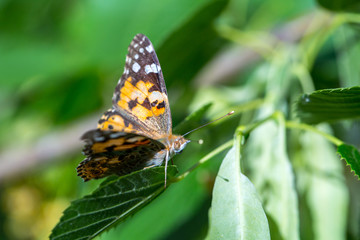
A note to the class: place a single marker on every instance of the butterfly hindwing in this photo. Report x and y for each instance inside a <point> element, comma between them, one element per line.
<point>109,152</point>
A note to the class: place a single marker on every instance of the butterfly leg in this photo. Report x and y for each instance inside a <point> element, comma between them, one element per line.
<point>166,164</point>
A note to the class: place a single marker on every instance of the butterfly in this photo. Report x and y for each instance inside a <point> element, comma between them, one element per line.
<point>136,133</point>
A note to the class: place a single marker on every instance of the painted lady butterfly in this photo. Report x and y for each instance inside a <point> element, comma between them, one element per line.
<point>136,132</point>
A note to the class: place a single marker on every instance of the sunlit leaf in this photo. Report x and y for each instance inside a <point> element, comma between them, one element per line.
<point>112,202</point>
<point>352,157</point>
<point>329,105</point>
<point>236,211</point>
<point>273,177</point>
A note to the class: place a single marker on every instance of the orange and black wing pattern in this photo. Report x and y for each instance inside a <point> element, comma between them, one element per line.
<point>120,153</point>
<point>141,95</point>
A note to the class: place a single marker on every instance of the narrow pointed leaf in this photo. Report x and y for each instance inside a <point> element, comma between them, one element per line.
<point>112,202</point>
<point>352,157</point>
<point>236,211</point>
<point>329,105</point>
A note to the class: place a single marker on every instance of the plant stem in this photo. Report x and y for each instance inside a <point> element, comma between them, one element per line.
<point>303,126</point>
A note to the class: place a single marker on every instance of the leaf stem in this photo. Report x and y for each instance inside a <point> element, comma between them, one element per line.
<point>303,126</point>
<point>247,129</point>
<point>216,151</point>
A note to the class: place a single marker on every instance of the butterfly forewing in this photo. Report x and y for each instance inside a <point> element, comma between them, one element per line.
<point>140,95</point>
<point>111,120</point>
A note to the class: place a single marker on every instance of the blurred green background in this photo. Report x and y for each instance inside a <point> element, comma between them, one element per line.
<point>60,62</point>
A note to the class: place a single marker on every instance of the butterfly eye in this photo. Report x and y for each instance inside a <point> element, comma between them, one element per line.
<point>180,144</point>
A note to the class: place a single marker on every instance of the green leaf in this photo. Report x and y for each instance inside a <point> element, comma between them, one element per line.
<point>340,5</point>
<point>177,205</point>
<point>320,178</point>
<point>271,172</point>
<point>114,201</point>
<point>329,105</point>
<point>351,155</point>
<point>236,211</point>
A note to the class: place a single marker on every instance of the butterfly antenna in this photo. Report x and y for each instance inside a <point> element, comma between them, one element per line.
<point>228,114</point>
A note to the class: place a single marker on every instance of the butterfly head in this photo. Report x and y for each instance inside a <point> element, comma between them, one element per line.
<point>179,144</point>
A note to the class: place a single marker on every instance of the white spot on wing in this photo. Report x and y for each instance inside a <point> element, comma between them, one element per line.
<point>150,48</point>
<point>141,50</point>
<point>136,45</point>
<point>99,138</point>
<point>136,56</point>
<point>156,96</point>
<point>135,67</point>
<point>116,135</point>
<point>148,69</point>
<point>152,68</point>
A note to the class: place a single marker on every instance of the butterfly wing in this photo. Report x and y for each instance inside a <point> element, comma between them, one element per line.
<point>125,140</point>
<point>109,152</point>
<point>140,97</point>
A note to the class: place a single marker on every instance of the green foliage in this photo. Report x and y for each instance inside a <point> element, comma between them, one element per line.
<point>340,5</point>
<point>329,105</point>
<point>319,175</point>
<point>114,201</point>
<point>351,155</point>
<point>273,175</point>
